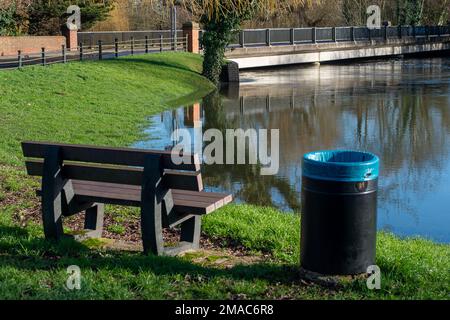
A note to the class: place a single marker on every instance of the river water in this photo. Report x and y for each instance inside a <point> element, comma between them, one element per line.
<point>397,109</point>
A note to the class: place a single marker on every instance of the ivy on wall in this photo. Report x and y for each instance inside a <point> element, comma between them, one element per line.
<point>218,34</point>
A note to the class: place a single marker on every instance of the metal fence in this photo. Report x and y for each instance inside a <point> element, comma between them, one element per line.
<point>89,39</point>
<point>100,50</point>
<point>284,36</point>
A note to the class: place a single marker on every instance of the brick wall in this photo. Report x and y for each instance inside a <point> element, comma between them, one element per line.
<point>10,45</point>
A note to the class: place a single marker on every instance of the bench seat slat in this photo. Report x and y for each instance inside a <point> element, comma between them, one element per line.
<point>107,185</point>
<point>185,201</point>
<point>134,193</point>
<point>130,189</point>
<point>138,189</point>
<point>207,195</point>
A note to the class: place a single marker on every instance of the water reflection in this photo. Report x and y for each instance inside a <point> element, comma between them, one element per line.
<point>399,110</point>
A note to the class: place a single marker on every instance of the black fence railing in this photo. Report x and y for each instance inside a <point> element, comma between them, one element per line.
<point>89,39</point>
<point>101,50</point>
<point>284,36</point>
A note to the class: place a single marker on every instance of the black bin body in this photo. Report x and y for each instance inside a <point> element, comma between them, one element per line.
<point>339,212</point>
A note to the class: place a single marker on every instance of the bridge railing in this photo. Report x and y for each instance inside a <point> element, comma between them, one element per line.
<point>286,36</point>
<point>279,36</point>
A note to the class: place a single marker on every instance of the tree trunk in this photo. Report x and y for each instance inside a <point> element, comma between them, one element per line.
<point>214,55</point>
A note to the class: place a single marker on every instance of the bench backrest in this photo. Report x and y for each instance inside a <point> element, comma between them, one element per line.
<point>113,165</point>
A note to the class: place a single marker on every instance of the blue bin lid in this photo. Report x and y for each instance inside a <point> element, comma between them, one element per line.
<point>341,165</point>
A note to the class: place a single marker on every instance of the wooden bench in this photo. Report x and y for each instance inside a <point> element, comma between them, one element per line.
<point>77,178</point>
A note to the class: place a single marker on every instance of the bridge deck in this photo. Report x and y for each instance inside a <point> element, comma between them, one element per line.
<point>267,56</point>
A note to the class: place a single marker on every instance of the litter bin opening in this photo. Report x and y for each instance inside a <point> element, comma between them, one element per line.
<point>350,157</point>
<point>342,165</point>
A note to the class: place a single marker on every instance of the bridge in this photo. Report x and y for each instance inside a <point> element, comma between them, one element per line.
<point>251,48</point>
<point>258,48</point>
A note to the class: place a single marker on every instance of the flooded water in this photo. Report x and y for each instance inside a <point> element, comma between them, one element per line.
<point>398,109</point>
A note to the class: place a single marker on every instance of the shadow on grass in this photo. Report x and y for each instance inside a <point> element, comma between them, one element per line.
<point>32,254</point>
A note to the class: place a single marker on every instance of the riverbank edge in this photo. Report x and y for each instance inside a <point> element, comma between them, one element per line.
<point>415,268</point>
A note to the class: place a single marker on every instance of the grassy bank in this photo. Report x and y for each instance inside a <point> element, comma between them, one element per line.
<point>32,268</point>
<point>108,103</point>
<point>105,103</point>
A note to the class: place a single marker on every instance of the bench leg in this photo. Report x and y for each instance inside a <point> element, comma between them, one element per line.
<point>151,228</point>
<point>94,220</point>
<point>151,215</point>
<point>52,217</point>
<point>190,231</point>
<point>52,199</point>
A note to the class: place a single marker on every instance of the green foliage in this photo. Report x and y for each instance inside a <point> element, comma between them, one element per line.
<point>8,21</point>
<point>219,27</point>
<point>49,17</point>
<point>409,11</point>
<point>405,12</point>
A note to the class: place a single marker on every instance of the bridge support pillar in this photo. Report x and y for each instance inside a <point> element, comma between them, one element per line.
<point>191,31</point>
<point>230,73</point>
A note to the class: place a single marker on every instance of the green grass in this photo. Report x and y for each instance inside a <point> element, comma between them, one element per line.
<point>241,225</point>
<point>32,268</point>
<point>117,229</point>
<point>104,103</point>
<point>411,268</point>
<point>108,103</point>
